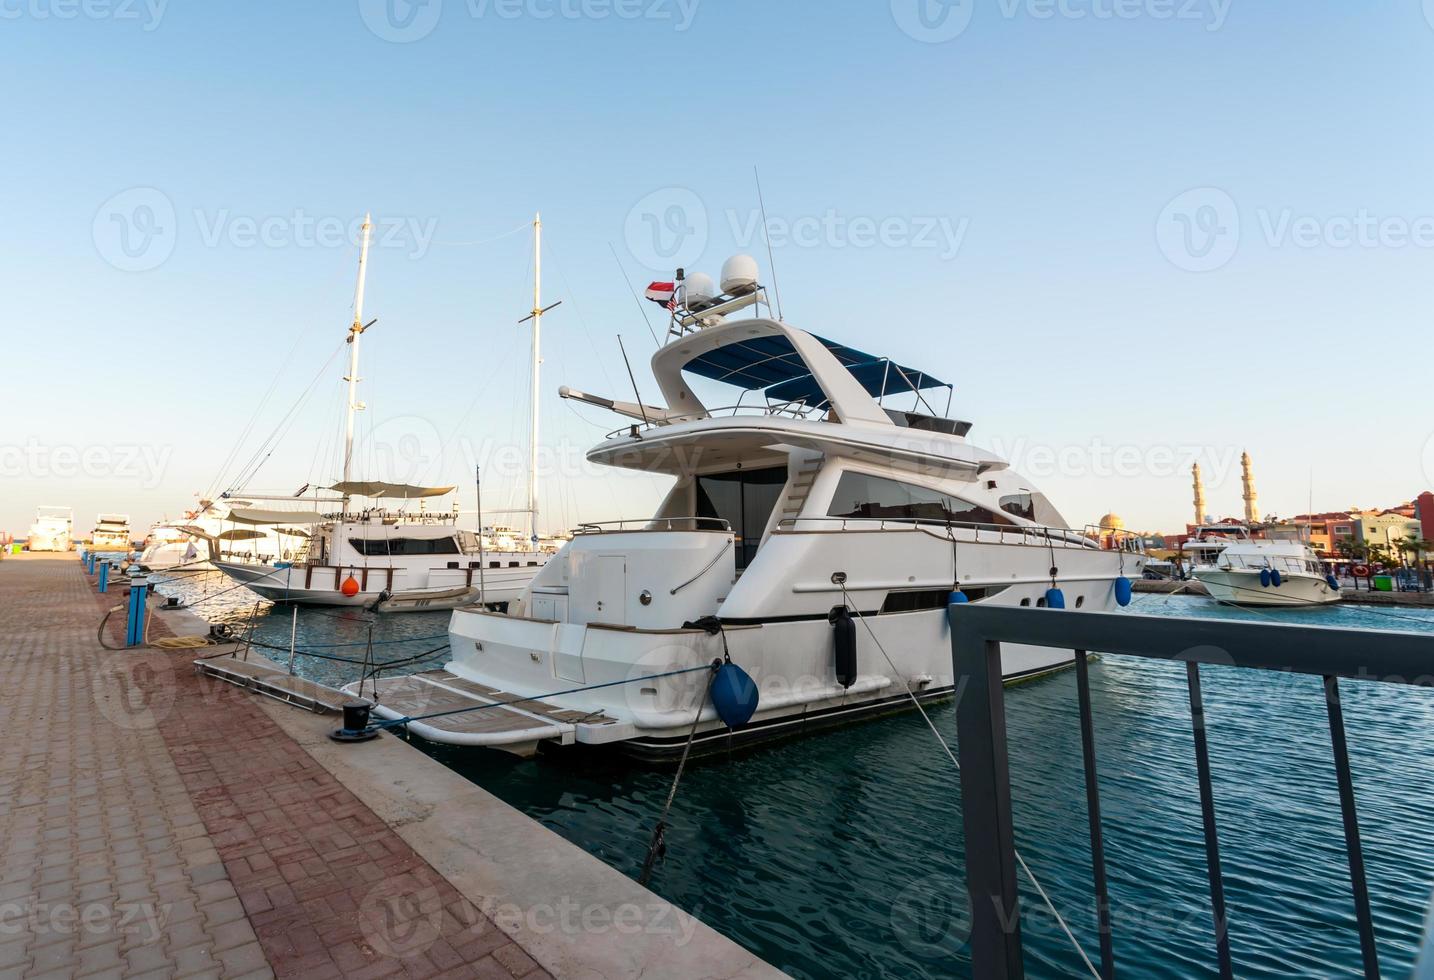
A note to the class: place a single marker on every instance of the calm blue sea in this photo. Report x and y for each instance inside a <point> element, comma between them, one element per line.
<point>841,855</point>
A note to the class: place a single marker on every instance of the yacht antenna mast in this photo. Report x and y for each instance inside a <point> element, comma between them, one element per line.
<point>537,317</point>
<point>767,235</point>
<point>355,332</point>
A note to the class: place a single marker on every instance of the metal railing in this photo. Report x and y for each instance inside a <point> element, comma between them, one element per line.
<point>977,633</point>
<point>1091,538</point>
<point>1255,563</point>
<point>795,410</point>
<point>654,524</point>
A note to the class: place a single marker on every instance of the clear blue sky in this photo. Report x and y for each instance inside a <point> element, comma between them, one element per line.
<point>1006,208</point>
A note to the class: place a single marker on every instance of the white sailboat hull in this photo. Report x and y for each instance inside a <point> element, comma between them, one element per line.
<point>323,585</point>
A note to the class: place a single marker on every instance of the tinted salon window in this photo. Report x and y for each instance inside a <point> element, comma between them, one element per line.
<point>861,496</point>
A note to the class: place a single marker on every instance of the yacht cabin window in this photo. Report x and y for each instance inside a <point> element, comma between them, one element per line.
<point>384,547</point>
<point>744,499</point>
<point>1019,504</point>
<point>859,495</point>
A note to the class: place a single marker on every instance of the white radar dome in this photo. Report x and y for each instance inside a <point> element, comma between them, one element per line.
<point>739,275</point>
<point>698,292</point>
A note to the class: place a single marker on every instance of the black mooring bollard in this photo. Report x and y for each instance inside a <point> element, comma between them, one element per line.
<point>356,727</point>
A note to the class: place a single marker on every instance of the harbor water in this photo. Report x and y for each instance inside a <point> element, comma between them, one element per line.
<point>841,855</point>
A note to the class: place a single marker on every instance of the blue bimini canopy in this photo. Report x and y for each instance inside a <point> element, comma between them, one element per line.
<point>773,365</point>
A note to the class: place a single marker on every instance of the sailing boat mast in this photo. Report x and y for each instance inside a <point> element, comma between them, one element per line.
<point>352,378</point>
<point>537,363</point>
<point>537,317</point>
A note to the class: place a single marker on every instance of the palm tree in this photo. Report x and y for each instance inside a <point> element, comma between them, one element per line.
<point>1352,549</point>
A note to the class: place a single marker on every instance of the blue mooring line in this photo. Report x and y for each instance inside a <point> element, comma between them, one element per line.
<point>536,697</point>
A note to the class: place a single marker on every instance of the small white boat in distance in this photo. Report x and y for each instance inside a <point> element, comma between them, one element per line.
<point>814,534</point>
<point>111,533</point>
<point>53,530</point>
<point>1261,565</point>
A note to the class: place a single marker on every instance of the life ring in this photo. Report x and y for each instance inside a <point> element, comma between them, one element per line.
<point>1360,571</point>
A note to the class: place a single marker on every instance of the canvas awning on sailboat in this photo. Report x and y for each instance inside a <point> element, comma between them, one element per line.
<point>255,515</point>
<point>239,535</point>
<point>394,491</point>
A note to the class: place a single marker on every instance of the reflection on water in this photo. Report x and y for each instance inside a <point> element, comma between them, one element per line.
<point>840,855</point>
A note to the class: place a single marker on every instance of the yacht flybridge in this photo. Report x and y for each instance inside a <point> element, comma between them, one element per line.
<point>386,558</point>
<point>814,534</point>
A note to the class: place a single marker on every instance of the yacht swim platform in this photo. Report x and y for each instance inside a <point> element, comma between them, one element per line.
<point>516,723</point>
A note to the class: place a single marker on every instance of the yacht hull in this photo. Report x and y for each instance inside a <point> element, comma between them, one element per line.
<point>172,555</point>
<point>791,660</point>
<point>1242,587</point>
<point>297,585</point>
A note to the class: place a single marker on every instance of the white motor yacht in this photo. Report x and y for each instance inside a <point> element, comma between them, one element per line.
<point>208,533</point>
<point>815,537</point>
<point>53,530</point>
<point>1260,565</point>
<point>111,533</point>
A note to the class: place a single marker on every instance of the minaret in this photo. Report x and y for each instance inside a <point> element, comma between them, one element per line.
<point>1199,495</point>
<point>1252,507</point>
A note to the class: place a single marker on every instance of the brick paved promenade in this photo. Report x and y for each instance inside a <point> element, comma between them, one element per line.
<point>154,824</point>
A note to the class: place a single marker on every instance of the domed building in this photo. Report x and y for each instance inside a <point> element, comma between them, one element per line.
<point>1112,529</point>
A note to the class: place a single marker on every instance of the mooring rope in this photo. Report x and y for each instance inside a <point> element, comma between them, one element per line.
<point>1031,875</point>
<point>657,847</point>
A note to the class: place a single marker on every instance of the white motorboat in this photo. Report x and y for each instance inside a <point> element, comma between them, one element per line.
<point>1260,565</point>
<point>111,534</point>
<point>169,546</point>
<point>816,539</point>
<point>389,560</point>
<point>53,530</point>
<point>208,533</point>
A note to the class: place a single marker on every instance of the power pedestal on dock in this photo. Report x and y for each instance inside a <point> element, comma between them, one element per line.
<point>134,624</point>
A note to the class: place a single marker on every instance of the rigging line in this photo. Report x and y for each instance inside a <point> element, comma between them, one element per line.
<point>577,309</point>
<point>486,241</point>
<point>253,418</point>
<point>1030,875</point>
<point>635,298</point>
<point>252,465</point>
<point>219,477</point>
<point>766,233</point>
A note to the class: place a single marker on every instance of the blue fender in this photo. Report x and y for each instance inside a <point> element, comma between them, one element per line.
<point>1055,598</point>
<point>734,695</point>
<point>1123,591</point>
